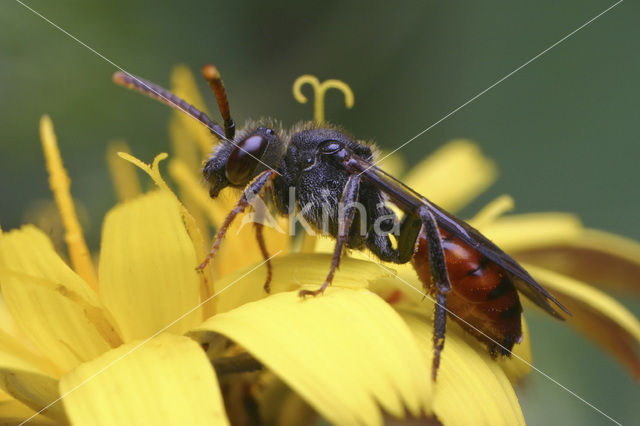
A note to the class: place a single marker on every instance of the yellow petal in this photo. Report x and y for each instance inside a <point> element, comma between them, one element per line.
<point>325,244</point>
<point>453,175</point>
<point>183,84</point>
<point>44,214</point>
<point>29,385</point>
<point>344,352</point>
<point>292,272</point>
<point>167,380</point>
<point>492,211</point>
<point>7,323</point>
<point>597,315</point>
<point>123,174</point>
<point>13,412</point>
<point>240,247</point>
<point>403,290</point>
<point>54,307</point>
<point>610,261</point>
<point>190,189</point>
<point>199,230</point>
<point>60,186</point>
<point>471,388</point>
<point>14,347</point>
<point>305,243</point>
<point>527,231</point>
<point>183,145</point>
<point>190,222</point>
<point>394,164</point>
<point>147,267</point>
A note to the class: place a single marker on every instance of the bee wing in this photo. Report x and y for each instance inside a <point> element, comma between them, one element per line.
<point>409,201</point>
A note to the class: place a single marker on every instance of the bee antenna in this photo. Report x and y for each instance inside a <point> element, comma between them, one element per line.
<point>158,93</point>
<point>212,76</point>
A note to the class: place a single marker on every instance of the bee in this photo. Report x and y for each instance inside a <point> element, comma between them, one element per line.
<point>468,276</point>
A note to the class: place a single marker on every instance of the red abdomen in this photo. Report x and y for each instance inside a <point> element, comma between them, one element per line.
<point>482,297</point>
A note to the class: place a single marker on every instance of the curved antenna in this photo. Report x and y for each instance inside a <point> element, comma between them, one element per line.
<point>212,76</point>
<point>158,93</point>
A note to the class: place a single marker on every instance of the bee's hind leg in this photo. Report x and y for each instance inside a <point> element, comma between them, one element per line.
<point>440,278</point>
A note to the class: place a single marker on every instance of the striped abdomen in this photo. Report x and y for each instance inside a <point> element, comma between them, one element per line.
<point>482,294</point>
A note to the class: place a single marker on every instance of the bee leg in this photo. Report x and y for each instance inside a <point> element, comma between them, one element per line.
<point>409,230</point>
<point>347,214</point>
<point>441,282</point>
<point>252,190</point>
<point>265,254</point>
<point>382,247</point>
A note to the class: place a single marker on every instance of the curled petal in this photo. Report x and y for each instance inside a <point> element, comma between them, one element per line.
<point>597,315</point>
<point>31,386</point>
<point>13,412</point>
<point>346,352</point>
<point>167,380</point>
<point>596,257</point>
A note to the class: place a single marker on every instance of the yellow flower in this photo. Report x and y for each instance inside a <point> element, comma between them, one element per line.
<point>147,340</point>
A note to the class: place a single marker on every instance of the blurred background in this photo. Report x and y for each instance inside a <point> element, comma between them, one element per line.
<point>563,130</point>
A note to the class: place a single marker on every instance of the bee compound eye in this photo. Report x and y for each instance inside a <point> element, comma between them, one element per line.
<point>330,147</point>
<point>244,158</point>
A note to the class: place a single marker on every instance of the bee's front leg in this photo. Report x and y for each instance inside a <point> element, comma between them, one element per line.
<point>252,190</point>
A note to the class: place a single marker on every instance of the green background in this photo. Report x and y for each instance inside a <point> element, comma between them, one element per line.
<point>563,130</point>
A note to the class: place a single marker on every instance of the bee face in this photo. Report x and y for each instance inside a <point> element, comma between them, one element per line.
<point>236,163</point>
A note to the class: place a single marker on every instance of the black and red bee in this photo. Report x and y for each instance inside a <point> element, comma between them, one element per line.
<point>467,274</point>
